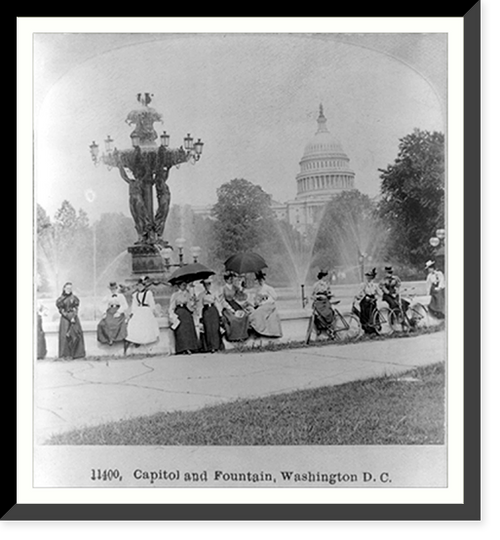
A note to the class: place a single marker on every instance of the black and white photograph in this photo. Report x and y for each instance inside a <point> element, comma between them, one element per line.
<point>241,262</point>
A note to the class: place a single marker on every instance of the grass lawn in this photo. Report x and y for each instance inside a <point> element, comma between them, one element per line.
<point>405,409</point>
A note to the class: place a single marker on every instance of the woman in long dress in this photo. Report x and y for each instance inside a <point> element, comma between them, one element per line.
<point>112,328</point>
<point>436,289</point>
<point>182,308</point>
<point>41,341</point>
<point>71,342</point>
<point>264,319</point>
<point>142,327</point>
<point>210,318</point>
<point>322,296</point>
<point>234,314</point>
<point>367,298</point>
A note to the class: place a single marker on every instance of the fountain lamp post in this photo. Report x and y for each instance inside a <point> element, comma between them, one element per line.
<point>145,168</point>
<point>167,252</point>
<point>362,258</point>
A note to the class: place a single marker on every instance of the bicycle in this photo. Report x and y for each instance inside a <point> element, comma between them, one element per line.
<point>379,320</point>
<point>415,316</point>
<point>345,326</point>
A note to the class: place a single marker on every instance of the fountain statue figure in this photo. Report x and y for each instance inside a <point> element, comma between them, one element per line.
<point>145,168</point>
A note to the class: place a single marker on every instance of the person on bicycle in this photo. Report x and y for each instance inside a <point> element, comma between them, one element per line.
<point>322,297</point>
<point>367,298</point>
<point>390,286</point>
<point>435,288</point>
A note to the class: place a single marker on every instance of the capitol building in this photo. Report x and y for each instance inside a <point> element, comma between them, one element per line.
<point>324,172</point>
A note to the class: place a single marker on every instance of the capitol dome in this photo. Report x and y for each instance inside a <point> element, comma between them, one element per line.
<point>324,167</point>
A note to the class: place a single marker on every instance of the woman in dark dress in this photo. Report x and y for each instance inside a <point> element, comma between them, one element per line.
<point>367,298</point>
<point>436,290</point>
<point>234,314</point>
<point>71,343</point>
<point>182,307</point>
<point>211,337</point>
<point>112,328</point>
<point>322,297</point>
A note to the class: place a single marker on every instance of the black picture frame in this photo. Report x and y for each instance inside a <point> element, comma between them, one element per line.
<point>470,510</point>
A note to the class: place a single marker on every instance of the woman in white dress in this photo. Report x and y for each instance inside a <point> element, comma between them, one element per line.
<point>142,326</point>
<point>264,319</point>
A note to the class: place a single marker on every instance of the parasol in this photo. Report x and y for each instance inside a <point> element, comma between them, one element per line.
<point>190,272</point>
<point>244,263</point>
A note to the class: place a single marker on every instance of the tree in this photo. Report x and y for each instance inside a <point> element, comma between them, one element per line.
<point>61,247</point>
<point>412,205</point>
<point>242,214</point>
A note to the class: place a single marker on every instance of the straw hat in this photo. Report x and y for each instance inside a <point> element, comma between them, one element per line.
<point>372,273</point>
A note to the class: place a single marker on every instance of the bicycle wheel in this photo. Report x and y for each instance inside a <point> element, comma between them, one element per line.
<point>418,316</point>
<point>347,327</point>
<point>383,319</point>
<point>399,322</point>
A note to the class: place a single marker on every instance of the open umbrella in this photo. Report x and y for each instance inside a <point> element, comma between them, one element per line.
<point>243,263</point>
<point>190,272</point>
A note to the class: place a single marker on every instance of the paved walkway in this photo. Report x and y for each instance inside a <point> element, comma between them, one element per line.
<point>74,394</point>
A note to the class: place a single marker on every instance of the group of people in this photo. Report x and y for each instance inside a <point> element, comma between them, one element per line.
<point>388,289</point>
<point>199,318</point>
<point>234,314</point>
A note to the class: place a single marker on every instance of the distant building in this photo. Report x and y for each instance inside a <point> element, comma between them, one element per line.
<point>324,172</point>
<point>202,211</point>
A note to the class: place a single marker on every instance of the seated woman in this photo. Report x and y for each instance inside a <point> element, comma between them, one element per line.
<point>322,297</point>
<point>264,318</point>
<point>182,307</point>
<point>112,327</point>
<point>234,314</point>
<point>210,336</point>
<point>142,327</point>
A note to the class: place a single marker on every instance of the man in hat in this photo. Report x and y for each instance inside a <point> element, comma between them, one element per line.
<point>435,288</point>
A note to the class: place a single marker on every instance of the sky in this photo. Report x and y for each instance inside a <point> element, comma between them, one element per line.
<point>253,99</point>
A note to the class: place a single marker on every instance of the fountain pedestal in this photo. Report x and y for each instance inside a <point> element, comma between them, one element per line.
<point>146,261</point>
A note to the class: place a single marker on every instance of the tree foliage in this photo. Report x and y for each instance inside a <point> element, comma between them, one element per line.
<point>59,246</point>
<point>69,249</point>
<point>242,214</point>
<point>412,205</point>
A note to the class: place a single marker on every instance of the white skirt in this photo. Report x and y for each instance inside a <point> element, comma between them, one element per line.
<point>142,326</point>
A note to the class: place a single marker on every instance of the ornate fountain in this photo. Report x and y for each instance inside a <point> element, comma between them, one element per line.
<point>145,168</point>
